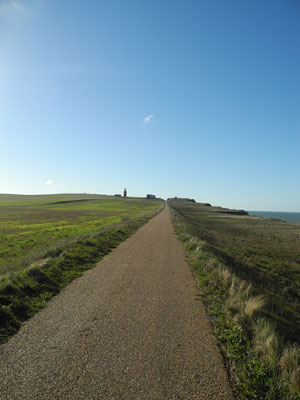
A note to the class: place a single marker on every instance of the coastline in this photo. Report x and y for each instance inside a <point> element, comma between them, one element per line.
<point>286,216</point>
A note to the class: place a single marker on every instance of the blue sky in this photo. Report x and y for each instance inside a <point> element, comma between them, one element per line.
<point>177,98</point>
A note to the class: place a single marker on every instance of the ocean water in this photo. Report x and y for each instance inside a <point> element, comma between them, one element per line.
<point>287,216</point>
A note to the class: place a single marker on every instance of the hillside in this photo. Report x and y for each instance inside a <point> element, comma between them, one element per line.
<point>263,252</point>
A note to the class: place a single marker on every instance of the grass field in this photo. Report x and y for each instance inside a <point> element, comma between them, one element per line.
<point>248,269</point>
<point>47,241</point>
<point>31,225</point>
<point>264,252</point>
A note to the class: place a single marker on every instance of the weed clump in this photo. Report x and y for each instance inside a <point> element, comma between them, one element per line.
<point>242,305</point>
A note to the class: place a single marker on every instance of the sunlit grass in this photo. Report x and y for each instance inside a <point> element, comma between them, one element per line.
<point>47,241</point>
<point>29,225</point>
<point>261,252</point>
<point>263,364</point>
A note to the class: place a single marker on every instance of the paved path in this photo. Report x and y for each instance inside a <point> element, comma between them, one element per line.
<point>131,328</point>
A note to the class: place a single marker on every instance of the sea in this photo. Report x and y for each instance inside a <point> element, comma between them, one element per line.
<point>286,216</point>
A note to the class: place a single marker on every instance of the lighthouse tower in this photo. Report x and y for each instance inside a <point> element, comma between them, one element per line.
<point>125,192</point>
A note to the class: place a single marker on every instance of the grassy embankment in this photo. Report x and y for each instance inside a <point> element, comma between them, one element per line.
<point>47,241</point>
<point>249,272</point>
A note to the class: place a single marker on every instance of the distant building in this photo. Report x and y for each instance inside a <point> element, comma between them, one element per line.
<point>125,192</point>
<point>118,195</point>
<point>150,196</point>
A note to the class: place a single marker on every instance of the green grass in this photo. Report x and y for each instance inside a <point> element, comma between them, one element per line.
<point>47,241</point>
<point>263,252</point>
<point>249,306</point>
<point>30,225</point>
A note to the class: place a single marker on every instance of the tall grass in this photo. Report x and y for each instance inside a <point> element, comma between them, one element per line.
<point>262,365</point>
<point>262,252</point>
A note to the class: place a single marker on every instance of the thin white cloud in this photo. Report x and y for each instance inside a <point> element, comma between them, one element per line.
<point>49,182</point>
<point>18,5</point>
<point>148,118</point>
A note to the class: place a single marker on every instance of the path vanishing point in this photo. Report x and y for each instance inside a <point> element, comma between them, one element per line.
<point>133,327</point>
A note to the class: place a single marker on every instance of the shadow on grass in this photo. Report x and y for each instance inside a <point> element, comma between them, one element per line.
<point>26,292</point>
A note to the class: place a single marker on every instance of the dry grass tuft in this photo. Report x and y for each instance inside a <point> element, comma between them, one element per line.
<point>266,343</point>
<point>195,246</point>
<point>241,305</point>
<point>290,366</point>
<point>238,294</point>
<point>239,290</point>
<point>254,304</point>
<point>227,277</point>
